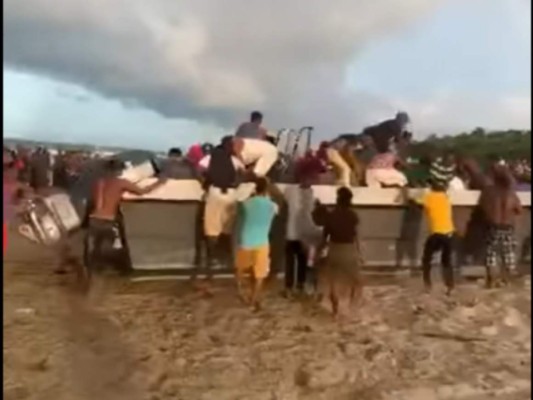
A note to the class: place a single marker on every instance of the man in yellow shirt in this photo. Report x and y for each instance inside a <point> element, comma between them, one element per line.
<point>438,210</point>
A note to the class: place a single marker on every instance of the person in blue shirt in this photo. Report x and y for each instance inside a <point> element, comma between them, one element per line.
<point>253,250</point>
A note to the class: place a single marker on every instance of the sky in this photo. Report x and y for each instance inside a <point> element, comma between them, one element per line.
<point>164,73</point>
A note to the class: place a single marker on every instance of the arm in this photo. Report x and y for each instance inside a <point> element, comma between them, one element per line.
<point>204,163</point>
<point>99,195</point>
<point>237,149</point>
<point>262,133</point>
<point>401,163</point>
<point>133,188</point>
<point>237,163</point>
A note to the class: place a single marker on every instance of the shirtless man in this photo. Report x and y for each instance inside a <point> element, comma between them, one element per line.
<point>500,206</point>
<point>103,220</point>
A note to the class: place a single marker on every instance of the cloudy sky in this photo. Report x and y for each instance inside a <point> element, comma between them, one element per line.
<point>158,73</point>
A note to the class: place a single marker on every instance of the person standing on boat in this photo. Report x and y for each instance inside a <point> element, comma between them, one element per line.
<point>500,206</point>
<point>258,155</point>
<point>340,153</point>
<point>388,132</point>
<point>253,128</point>
<point>382,172</point>
<point>253,253</point>
<point>220,170</point>
<point>106,198</point>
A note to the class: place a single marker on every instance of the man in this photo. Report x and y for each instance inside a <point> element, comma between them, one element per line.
<point>442,169</point>
<point>103,221</point>
<point>176,166</point>
<point>220,173</point>
<point>260,154</point>
<point>340,154</point>
<point>301,234</point>
<point>470,172</point>
<point>252,129</point>
<point>253,253</point>
<point>438,208</point>
<point>387,132</point>
<point>500,206</point>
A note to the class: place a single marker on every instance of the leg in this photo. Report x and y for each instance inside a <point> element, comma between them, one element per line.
<point>508,248</point>
<point>491,257</point>
<point>301,266</point>
<point>356,291</point>
<point>265,163</point>
<point>446,261</point>
<point>211,244</point>
<point>429,250</point>
<point>342,168</point>
<point>93,252</point>
<point>333,295</point>
<point>289,265</point>
<point>261,261</point>
<point>255,299</point>
<point>243,261</point>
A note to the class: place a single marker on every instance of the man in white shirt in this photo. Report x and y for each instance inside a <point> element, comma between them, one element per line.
<point>260,153</point>
<point>301,234</point>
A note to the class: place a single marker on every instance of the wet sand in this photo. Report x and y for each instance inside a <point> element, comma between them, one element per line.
<point>163,340</point>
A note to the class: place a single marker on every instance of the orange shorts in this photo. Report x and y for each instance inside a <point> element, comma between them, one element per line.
<point>256,260</point>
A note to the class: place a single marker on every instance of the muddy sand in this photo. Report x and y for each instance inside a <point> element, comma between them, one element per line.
<point>162,340</point>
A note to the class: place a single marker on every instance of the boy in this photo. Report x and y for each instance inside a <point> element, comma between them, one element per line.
<point>253,253</point>
<point>438,210</point>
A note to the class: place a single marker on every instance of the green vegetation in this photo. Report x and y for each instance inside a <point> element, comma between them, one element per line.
<point>510,144</point>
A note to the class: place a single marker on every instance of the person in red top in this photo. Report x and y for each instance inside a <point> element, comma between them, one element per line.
<point>195,154</point>
<point>309,167</point>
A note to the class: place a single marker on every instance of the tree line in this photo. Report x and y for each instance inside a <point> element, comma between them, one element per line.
<point>483,145</point>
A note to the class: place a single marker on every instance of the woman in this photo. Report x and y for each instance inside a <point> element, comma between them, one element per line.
<point>341,270</point>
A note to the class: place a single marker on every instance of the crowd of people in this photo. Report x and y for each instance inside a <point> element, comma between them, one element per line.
<point>317,236</point>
